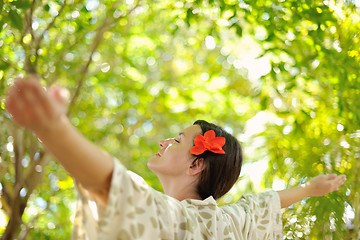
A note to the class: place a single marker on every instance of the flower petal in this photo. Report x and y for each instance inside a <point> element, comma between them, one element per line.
<point>208,142</point>
<point>197,150</point>
<point>199,141</point>
<point>218,141</point>
<point>219,151</point>
<point>209,135</point>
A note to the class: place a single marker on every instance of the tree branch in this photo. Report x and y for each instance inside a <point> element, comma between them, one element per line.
<point>356,201</point>
<point>60,57</point>
<point>38,42</point>
<point>35,172</point>
<point>28,20</point>
<point>24,232</point>
<point>17,203</point>
<point>31,16</point>
<point>29,67</point>
<point>15,216</point>
<point>33,147</point>
<point>19,153</point>
<point>6,200</point>
<point>99,36</point>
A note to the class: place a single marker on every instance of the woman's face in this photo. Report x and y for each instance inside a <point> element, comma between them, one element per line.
<point>174,157</point>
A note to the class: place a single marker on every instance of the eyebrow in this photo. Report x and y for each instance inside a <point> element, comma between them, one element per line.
<point>181,133</point>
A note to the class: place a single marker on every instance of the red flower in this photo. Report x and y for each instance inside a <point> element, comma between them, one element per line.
<point>208,142</point>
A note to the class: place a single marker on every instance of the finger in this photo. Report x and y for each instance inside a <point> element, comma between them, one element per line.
<point>25,102</point>
<point>18,79</point>
<point>34,105</point>
<point>10,104</point>
<point>40,99</point>
<point>331,176</point>
<point>338,182</point>
<point>60,94</point>
<point>43,97</point>
<point>32,77</point>
<point>341,179</point>
<point>14,104</point>
<point>32,108</point>
<point>19,82</point>
<point>23,105</point>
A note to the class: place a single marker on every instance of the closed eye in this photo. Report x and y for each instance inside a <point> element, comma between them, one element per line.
<point>177,141</point>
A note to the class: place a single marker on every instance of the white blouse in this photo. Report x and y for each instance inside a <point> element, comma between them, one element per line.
<point>137,211</point>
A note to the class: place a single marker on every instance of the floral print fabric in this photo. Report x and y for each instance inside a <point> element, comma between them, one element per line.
<point>136,211</point>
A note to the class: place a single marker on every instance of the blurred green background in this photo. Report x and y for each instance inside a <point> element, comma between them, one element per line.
<point>281,76</point>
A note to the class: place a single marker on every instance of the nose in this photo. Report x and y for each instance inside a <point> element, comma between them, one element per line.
<point>164,143</point>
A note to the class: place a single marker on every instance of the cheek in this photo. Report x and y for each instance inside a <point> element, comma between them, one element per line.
<point>183,153</point>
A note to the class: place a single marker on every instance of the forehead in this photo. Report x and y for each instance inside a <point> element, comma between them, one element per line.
<point>191,132</point>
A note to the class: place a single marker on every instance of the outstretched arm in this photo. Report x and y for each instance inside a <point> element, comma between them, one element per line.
<point>42,114</point>
<point>317,186</point>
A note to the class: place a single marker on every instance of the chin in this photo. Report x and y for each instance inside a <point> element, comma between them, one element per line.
<point>150,164</point>
<point>153,166</point>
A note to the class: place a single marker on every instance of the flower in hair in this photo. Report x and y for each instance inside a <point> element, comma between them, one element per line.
<point>208,142</point>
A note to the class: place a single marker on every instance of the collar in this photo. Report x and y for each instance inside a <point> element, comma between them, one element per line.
<point>210,201</point>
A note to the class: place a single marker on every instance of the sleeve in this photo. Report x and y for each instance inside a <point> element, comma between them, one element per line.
<point>134,211</point>
<point>257,216</point>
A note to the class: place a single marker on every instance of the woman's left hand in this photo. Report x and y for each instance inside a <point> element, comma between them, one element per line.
<point>324,184</point>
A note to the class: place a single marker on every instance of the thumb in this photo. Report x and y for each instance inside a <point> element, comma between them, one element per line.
<point>60,94</point>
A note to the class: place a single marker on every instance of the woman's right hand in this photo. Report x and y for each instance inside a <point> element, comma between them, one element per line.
<point>44,113</point>
<point>34,108</point>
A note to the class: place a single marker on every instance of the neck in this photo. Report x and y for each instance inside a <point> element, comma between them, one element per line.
<point>179,188</point>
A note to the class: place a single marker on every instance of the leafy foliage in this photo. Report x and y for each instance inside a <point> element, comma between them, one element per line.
<point>143,70</point>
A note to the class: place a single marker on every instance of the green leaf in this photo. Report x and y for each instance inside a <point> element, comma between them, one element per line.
<point>239,30</point>
<point>1,5</point>
<point>22,4</point>
<point>4,65</point>
<point>189,15</point>
<point>264,102</point>
<point>16,20</point>
<point>1,24</point>
<point>46,7</point>
<point>270,37</point>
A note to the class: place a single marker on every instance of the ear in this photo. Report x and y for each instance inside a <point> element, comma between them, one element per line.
<point>196,167</point>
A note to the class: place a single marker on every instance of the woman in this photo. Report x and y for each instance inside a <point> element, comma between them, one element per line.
<point>196,167</point>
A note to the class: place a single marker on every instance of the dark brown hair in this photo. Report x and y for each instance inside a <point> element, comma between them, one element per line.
<point>221,170</point>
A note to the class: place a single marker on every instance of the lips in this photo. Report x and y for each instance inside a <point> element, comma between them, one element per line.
<point>158,154</point>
